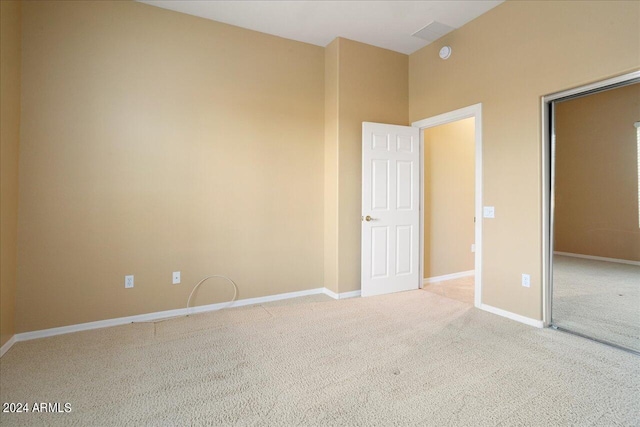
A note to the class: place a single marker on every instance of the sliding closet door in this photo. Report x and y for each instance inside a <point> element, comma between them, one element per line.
<point>596,216</point>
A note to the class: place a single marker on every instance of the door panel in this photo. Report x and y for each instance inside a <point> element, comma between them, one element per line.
<point>403,249</point>
<point>380,142</point>
<point>380,251</point>
<point>390,208</point>
<point>380,185</point>
<point>404,183</point>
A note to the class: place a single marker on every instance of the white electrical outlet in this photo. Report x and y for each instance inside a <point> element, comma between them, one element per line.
<point>128,282</point>
<point>526,280</point>
<point>473,247</point>
<point>489,212</point>
<point>176,277</point>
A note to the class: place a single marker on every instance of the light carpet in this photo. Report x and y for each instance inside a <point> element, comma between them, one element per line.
<point>461,289</point>
<point>598,299</point>
<point>413,358</point>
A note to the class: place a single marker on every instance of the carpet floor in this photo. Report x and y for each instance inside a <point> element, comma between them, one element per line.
<point>461,289</point>
<point>413,358</point>
<point>598,299</point>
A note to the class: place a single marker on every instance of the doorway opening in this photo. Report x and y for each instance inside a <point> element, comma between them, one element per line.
<point>449,235</point>
<point>393,205</point>
<point>451,204</point>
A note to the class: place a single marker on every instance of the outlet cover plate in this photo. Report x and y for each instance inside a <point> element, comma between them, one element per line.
<point>176,277</point>
<point>128,282</point>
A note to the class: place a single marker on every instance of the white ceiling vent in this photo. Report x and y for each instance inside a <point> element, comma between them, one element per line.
<point>433,31</point>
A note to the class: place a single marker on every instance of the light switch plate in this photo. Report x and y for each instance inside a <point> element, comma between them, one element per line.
<point>176,277</point>
<point>489,212</point>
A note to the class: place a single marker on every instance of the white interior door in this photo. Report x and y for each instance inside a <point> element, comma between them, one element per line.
<point>390,208</point>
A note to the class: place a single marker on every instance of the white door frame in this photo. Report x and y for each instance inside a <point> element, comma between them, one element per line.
<point>452,116</point>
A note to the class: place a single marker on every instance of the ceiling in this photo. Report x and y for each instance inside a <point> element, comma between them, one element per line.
<point>386,24</point>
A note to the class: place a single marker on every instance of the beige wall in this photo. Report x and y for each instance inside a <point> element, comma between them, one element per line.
<point>449,198</point>
<point>10,12</point>
<point>373,87</point>
<point>331,190</point>
<point>507,59</point>
<point>596,191</point>
<point>152,142</point>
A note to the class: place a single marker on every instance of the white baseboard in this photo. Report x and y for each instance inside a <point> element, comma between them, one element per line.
<point>25,336</point>
<point>7,345</point>
<point>352,294</point>
<point>509,315</point>
<point>342,295</point>
<point>598,258</point>
<point>448,277</point>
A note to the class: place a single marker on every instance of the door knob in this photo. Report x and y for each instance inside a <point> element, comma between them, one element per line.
<point>368,218</point>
